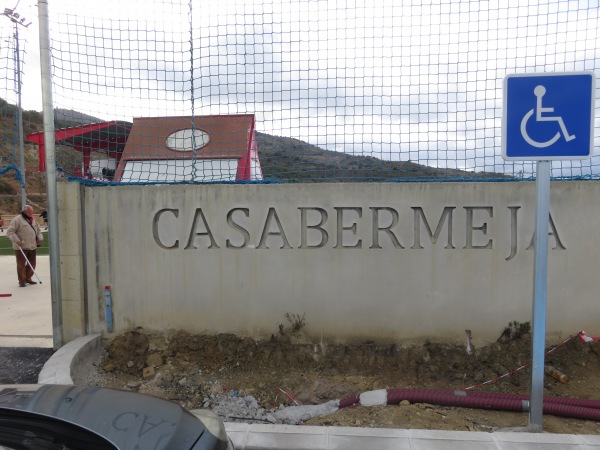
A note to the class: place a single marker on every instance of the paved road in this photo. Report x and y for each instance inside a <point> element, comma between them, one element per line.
<point>25,323</point>
<point>22,365</point>
<point>25,313</point>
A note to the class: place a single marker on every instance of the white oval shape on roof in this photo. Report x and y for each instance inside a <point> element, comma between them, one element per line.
<point>187,140</point>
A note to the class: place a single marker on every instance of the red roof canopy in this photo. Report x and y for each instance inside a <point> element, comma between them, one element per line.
<point>105,137</point>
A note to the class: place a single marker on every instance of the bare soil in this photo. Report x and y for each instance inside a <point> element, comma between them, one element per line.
<point>190,369</point>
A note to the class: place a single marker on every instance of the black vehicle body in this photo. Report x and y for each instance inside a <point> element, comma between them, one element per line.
<point>76,417</point>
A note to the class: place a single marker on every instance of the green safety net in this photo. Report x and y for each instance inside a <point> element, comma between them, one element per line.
<point>235,91</point>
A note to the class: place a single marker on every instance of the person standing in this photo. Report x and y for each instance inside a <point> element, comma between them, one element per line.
<point>25,234</point>
<point>44,215</point>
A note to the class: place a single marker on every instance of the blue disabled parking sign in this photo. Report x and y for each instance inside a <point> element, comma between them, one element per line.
<point>548,116</point>
<point>545,117</point>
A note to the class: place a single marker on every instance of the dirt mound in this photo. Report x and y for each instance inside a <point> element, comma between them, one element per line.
<point>201,370</point>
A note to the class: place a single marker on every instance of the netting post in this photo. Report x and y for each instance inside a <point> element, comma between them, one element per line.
<point>48,112</point>
<point>20,121</point>
<point>14,18</point>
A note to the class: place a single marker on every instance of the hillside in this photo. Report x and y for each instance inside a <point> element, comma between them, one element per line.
<point>293,160</point>
<point>10,189</point>
<point>69,117</point>
<point>284,159</point>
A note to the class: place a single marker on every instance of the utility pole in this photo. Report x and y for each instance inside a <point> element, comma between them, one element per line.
<point>53,236</point>
<point>19,21</point>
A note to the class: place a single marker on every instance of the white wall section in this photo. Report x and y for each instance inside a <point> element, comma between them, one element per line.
<point>394,261</point>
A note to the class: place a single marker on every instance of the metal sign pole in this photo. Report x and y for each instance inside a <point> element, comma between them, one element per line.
<point>540,285</point>
<point>563,129</point>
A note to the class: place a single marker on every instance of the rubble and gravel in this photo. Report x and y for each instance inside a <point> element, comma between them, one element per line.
<point>287,381</point>
<point>230,406</point>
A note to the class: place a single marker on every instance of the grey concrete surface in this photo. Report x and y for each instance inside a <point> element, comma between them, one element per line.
<point>25,323</point>
<point>382,256</point>
<point>26,313</point>
<point>287,437</point>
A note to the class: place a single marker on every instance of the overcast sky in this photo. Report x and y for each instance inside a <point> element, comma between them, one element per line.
<point>396,79</point>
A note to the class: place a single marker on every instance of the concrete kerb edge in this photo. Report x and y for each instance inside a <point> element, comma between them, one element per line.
<point>299,437</point>
<point>58,368</point>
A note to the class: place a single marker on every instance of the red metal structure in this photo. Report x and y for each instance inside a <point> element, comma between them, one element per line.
<point>105,137</point>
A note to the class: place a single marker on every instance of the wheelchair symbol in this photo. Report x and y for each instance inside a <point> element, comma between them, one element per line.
<point>539,92</point>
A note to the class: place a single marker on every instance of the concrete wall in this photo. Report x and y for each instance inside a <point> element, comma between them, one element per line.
<point>72,263</point>
<point>360,261</point>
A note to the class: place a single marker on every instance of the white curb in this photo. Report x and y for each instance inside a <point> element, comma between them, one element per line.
<point>58,368</point>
